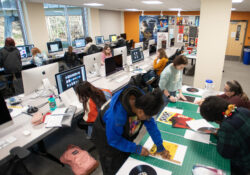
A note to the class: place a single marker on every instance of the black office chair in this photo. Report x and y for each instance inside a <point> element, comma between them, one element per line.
<point>93,49</point>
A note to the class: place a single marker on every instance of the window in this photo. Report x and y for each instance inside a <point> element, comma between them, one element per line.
<point>10,25</point>
<point>64,23</point>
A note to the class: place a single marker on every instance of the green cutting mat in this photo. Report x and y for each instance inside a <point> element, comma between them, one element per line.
<point>184,106</point>
<point>197,153</point>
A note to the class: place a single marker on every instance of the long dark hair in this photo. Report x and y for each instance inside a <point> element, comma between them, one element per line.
<point>235,87</point>
<point>85,90</point>
<point>162,53</point>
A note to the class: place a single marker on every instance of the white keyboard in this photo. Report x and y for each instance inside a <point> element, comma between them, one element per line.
<point>119,80</point>
<point>7,141</point>
<point>144,66</point>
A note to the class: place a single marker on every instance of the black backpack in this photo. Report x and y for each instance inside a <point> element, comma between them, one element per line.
<point>93,49</point>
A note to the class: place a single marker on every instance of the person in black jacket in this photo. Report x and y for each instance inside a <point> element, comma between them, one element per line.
<point>10,60</point>
<point>120,42</point>
<point>70,58</point>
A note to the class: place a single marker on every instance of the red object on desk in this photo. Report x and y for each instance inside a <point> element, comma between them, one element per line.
<point>190,48</point>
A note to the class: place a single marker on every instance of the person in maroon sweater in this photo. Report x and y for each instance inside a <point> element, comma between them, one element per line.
<point>234,94</point>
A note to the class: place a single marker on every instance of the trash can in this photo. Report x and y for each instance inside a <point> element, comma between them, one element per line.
<point>246,57</point>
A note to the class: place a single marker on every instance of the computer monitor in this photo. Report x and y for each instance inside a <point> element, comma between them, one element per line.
<point>113,64</point>
<point>90,60</point>
<point>112,38</point>
<point>55,46</point>
<point>172,42</point>
<point>99,40</point>
<point>137,55</point>
<point>33,78</point>
<point>69,78</point>
<point>5,119</point>
<point>123,35</point>
<point>80,42</point>
<point>123,51</point>
<point>152,49</point>
<point>25,50</point>
<point>138,45</point>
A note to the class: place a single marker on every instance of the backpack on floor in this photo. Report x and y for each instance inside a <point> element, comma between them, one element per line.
<point>79,160</point>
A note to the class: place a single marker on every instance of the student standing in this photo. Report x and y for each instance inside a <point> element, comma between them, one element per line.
<point>119,123</point>
<point>171,79</point>
<point>233,134</point>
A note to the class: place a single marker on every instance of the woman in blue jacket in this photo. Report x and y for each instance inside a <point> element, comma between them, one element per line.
<point>119,123</point>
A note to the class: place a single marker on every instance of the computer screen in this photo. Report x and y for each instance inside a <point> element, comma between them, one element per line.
<point>113,64</point>
<point>123,35</point>
<point>23,52</point>
<point>55,46</point>
<point>172,42</point>
<point>152,49</point>
<point>70,78</point>
<point>5,115</point>
<point>137,55</point>
<point>112,38</point>
<point>99,40</point>
<point>80,42</point>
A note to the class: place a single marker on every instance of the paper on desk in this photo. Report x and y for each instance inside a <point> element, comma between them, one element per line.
<point>196,124</point>
<point>69,98</point>
<point>192,135</point>
<point>53,121</point>
<point>17,111</point>
<point>174,110</point>
<point>177,151</point>
<point>59,111</point>
<point>131,163</point>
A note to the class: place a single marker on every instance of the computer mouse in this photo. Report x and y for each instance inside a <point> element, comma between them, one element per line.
<point>32,110</point>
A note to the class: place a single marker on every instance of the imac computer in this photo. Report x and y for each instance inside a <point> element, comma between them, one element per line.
<point>124,36</point>
<point>138,45</point>
<point>33,78</point>
<point>99,40</point>
<point>25,51</point>
<point>5,119</point>
<point>123,51</point>
<point>55,46</point>
<point>91,61</point>
<point>69,78</point>
<point>152,49</point>
<point>137,55</point>
<point>80,42</point>
<point>172,42</point>
<point>112,38</point>
<point>113,64</point>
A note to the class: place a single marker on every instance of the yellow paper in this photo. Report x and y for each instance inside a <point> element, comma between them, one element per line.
<point>171,147</point>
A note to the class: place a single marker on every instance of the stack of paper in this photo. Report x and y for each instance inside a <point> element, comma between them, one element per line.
<point>196,124</point>
<point>55,119</point>
<point>195,136</point>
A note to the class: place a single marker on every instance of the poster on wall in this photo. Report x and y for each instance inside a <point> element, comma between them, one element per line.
<point>185,38</point>
<point>191,21</point>
<point>181,29</point>
<point>191,42</point>
<point>185,20</point>
<point>179,20</point>
<point>179,38</point>
<point>197,21</point>
<point>193,31</point>
<point>186,30</point>
<point>162,39</point>
<point>171,20</point>
<point>196,42</point>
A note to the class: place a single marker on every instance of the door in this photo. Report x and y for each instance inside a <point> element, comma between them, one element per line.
<point>236,38</point>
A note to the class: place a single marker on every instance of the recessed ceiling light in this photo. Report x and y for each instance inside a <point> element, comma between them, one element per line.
<point>152,2</point>
<point>237,1</point>
<point>233,9</point>
<point>175,9</point>
<point>132,10</point>
<point>93,4</point>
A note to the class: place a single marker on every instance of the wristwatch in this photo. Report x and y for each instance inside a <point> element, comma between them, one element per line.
<point>168,96</point>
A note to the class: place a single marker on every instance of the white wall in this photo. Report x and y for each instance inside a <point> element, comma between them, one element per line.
<point>93,22</point>
<point>212,42</point>
<point>111,22</point>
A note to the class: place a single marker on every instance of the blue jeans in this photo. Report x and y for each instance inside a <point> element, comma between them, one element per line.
<point>166,99</point>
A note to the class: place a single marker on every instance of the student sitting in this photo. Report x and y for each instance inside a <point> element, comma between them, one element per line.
<point>120,42</point>
<point>119,122</point>
<point>234,94</point>
<point>38,57</point>
<point>90,46</point>
<point>92,99</point>
<point>160,62</point>
<point>106,53</point>
<point>234,132</point>
<point>70,58</point>
<point>171,79</point>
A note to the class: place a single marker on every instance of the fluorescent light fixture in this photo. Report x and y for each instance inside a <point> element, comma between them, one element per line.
<point>132,10</point>
<point>175,9</point>
<point>233,9</point>
<point>237,1</point>
<point>152,2</point>
<point>93,4</point>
